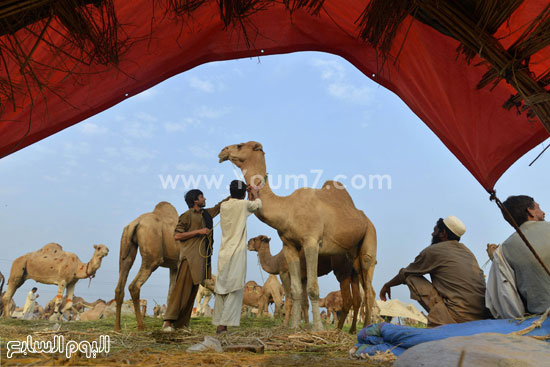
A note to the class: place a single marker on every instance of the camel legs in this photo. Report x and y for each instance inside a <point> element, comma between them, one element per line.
<point>285,280</point>
<point>332,312</point>
<point>311,251</point>
<point>305,304</point>
<point>356,301</point>
<point>16,280</point>
<point>70,294</point>
<point>198,299</point>
<point>144,273</point>
<point>58,300</point>
<point>124,268</point>
<point>293,259</point>
<point>345,285</point>
<point>367,258</point>
<point>278,300</point>
<point>262,304</point>
<point>202,305</point>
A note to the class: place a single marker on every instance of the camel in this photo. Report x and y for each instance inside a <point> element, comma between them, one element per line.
<point>206,291</point>
<point>103,310</point>
<point>12,305</point>
<point>254,297</point>
<point>153,234</point>
<point>94,313</point>
<point>334,304</point>
<point>321,221</point>
<point>159,311</point>
<point>204,295</point>
<point>78,305</point>
<point>52,265</point>
<point>277,265</point>
<point>339,264</point>
<point>274,293</point>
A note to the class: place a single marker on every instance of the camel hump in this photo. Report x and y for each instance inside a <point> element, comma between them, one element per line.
<point>336,190</point>
<point>166,212</point>
<point>52,247</point>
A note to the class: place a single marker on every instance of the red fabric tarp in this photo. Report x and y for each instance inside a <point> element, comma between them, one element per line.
<point>438,85</point>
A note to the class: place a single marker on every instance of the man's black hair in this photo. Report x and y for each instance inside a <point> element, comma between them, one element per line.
<point>450,235</point>
<point>237,189</point>
<point>35,289</point>
<point>517,206</point>
<point>192,196</point>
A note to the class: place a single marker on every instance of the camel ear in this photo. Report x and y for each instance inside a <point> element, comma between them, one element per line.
<point>258,146</point>
<point>96,247</point>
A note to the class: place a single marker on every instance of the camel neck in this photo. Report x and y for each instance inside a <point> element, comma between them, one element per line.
<point>89,268</point>
<point>268,261</point>
<point>271,212</point>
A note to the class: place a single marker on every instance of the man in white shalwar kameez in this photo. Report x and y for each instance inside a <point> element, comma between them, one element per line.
<point>231,276</point>
<point>28,308</point>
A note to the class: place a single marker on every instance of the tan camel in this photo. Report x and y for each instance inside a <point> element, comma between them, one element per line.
<point>52,265</point>
<point>153,234</point>
<point>254,297</point>
<point>277,265</point>
<point>12,305</point>
<point>341,265</point>
<point>159,311</point>
<point>321,221</point>
<point>333,303</point>
<point>204,295</point>
<point>104,310</point>
<point>274,293</point>
<point>78,305</point>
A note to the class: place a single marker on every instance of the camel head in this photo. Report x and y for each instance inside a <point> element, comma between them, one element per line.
<point>100,251</point>
<point>241,153</point>
<point>254,244</point>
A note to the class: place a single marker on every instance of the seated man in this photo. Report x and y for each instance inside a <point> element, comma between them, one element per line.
<point>457,291</point>
<point>531,280</point>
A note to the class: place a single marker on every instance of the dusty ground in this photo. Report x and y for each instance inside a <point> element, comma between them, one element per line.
<point>283,346</point>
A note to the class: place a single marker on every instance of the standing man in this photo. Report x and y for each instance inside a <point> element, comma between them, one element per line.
<point>457,291</point>
<point>531,280</point>
<point>30,302</point>
<point>231,277</point>
<point>194,235</point>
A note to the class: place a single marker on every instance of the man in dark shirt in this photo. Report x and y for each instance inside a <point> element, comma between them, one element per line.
<point>457,291</point>
<point>194,235</point>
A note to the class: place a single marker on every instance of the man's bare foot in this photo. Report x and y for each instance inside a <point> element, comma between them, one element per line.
<point>220,329</point>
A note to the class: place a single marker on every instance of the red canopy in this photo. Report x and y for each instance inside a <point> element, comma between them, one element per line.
<point>435,82</point>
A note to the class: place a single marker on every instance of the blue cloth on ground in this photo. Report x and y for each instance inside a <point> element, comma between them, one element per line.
<point>396,338</point>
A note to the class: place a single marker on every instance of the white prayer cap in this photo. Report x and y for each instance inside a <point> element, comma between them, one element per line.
<point>455,225</point>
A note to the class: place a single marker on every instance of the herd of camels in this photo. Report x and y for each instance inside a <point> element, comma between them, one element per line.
<point>321,231</point>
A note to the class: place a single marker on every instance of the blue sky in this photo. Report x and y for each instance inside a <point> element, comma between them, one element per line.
<point>311,111</point>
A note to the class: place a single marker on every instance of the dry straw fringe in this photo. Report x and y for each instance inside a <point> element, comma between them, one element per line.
<point>473,23</point>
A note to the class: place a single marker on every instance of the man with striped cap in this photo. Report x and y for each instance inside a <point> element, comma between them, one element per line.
<point>456,292</point>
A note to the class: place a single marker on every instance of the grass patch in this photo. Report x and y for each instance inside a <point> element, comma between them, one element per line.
<point>283,346</point>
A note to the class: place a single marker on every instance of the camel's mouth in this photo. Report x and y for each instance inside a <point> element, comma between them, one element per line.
<point>224,155</point>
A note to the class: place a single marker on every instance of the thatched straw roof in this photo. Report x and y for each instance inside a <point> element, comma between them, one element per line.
<point>476,72</point>
<point>474,24</point>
